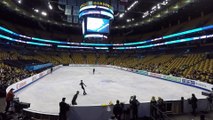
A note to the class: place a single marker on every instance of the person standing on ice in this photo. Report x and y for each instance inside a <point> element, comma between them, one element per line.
<point>93,71</point>
<point>51,70</point>
<point>82,86</point>
<point>74,98</point>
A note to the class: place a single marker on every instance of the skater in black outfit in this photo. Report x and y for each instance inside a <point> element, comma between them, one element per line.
<point>82,86</point>
<point>93,71</point>
<point>74,98</point>
<point>51,69</point>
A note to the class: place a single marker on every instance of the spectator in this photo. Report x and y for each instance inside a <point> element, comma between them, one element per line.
<point>117,110</point>
<point>9,99</point>
<point>153,105</point>
<point>210,100</point>
<point>125,112</point>
<point>64,107</point>
<point>193,102</point>
<point>161,106</point>
<point>134,106</point>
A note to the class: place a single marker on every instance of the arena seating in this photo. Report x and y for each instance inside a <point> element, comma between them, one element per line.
<point>177,64</point>
<point>78,58</point>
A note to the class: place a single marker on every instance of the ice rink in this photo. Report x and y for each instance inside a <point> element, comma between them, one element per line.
<point>107,84</point>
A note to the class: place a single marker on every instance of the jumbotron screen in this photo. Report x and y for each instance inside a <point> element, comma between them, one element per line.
<point>97,25</point>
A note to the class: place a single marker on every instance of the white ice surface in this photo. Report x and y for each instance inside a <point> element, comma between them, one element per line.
<point>108,84</point>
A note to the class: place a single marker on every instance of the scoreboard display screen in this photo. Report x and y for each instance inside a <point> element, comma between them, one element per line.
<point>97,25</point>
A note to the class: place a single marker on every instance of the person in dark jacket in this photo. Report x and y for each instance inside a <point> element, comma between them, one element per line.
<point>162,108</point>
<point>193,102</point>
<point>210,100</point>
<point>74,98</point>
<point>153,105</point>
<point>117,110</point>
<point>64,107</point>
<point>9,98</point>
<point>134,106</point>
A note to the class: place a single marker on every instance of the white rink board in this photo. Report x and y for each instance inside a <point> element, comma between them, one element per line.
<point>108,84</point>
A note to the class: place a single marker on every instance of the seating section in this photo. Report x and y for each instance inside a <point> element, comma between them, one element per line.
<point>78,58</point>
<point>201,71</point>
<point>189,65</point>
<point>9,75</point>
<point>91,58</point>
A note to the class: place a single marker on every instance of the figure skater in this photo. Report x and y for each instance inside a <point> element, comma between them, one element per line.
<point>82,86</point>
<point>93,71</point>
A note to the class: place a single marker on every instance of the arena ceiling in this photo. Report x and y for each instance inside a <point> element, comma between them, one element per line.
<point>137,14</point>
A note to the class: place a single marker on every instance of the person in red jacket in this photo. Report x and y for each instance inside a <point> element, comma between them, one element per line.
<point>9,98</point>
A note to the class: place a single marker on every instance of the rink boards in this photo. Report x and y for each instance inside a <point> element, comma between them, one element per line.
<point>35,82</point>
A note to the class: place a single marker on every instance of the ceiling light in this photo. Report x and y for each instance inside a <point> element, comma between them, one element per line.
<point>136,24</point>
<point>129,8</point>
<point>154,7</point>
<point>158,6</point>
<point>121,15</point>
<point>36,10</point>
<point>128,20</point>
<point>44,13</point>
<point>19,1</point>
<point>50,6</point>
